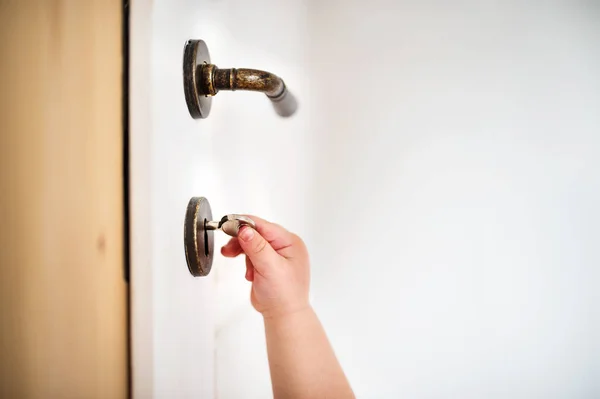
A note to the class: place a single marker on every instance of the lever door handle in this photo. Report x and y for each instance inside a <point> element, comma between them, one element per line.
<point>203,80</point>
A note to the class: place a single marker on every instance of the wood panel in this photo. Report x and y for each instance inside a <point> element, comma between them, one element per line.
<point>63,320</point>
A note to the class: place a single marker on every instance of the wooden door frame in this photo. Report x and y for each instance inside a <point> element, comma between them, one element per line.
<point>63,295</point>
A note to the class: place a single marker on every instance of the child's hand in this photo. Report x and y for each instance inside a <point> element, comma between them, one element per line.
<point>277,265</point>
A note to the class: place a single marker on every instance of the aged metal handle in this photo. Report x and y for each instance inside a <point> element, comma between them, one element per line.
<point>215,79</point>
<point>203,80</point>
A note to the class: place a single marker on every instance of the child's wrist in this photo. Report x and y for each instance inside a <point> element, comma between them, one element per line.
<point>278,313</point>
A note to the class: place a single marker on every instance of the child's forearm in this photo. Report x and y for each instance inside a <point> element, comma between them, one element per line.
<point>301,359</point>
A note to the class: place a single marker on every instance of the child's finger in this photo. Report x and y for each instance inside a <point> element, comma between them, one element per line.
<point>232,248</point>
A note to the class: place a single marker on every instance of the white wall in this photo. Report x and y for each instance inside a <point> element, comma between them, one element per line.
<point>458,185</point>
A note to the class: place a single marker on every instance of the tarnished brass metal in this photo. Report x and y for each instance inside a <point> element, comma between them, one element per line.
<point>245,79</point>
<point>198,234</point>
<point>195,55</point>
<point>198,240</point>
<point>202,80</point>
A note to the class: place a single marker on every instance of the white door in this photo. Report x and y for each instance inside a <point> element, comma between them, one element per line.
<point>243,158</point>
<point>443,168</point>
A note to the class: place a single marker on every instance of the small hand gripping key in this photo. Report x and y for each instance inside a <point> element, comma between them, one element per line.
<point>198,234</point>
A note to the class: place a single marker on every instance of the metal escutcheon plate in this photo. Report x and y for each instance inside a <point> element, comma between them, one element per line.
<point>194,56</point>
<point>199,242</point>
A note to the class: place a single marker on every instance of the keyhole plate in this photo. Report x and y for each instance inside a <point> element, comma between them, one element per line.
<point>199,243</point>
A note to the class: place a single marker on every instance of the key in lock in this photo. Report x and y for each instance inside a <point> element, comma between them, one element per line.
<point>198,234</point>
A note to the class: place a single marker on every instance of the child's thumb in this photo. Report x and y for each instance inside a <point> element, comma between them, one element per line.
<point>257,249</point>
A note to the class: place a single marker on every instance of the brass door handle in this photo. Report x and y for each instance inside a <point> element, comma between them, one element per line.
<point>203,80</point>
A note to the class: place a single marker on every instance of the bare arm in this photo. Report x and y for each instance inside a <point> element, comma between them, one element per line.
<point>301,360</point>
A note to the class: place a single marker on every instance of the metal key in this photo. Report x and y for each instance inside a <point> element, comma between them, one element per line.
<point>231,224</point>
<point>198,234</point>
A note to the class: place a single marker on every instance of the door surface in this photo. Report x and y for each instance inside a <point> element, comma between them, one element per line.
<point>62,291</point>
<point>199,337</point>
<point>442,169</point>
